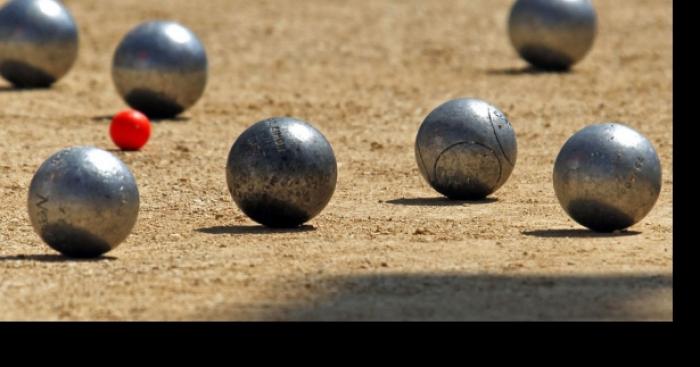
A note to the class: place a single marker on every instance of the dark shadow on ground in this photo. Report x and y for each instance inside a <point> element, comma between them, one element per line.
<point>254,229</point>
<point>108,118</point>
<point>52,258</point>
<point>102,118</point>
<point>469,297</point>
<point>13,89</point>
<point>577,233</point>
<point>171,119</point>
<point>439,201</point>
<point>527,70</point>
<point>117,150</point>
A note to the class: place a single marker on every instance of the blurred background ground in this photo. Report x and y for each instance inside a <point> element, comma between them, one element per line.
<point>365,73</point>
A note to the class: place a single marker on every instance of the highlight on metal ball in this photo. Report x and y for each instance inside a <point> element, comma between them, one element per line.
<point>281,172</point>
<point>466,149</point>
<point>83,201</point>
<point>552,34</point>
<point>607,177</point>
<point>160,68</point>
<point>38,42</point>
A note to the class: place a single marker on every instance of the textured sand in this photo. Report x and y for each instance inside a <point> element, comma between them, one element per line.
<point>365,73</point>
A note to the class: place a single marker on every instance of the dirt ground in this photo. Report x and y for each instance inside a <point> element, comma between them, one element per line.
<point>387,247</point>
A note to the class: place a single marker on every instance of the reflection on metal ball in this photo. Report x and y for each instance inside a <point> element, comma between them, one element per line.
<point>281,172</point>
<point>160,69</point>
<point>607,177</point>
<point>38,42</point>
<point>552,34</point>
<point>83,201</point>
<point>466,149</point>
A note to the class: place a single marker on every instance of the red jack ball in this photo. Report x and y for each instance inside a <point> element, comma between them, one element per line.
<point>130,129</point>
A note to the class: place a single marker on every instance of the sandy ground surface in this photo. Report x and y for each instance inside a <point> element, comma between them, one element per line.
<point>387,247</point>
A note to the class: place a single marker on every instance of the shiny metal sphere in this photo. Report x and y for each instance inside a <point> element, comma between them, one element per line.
<point>281,172</point>
<point>607,177</point>
<point>466,149</point>
<point>552,34</point>
<point>160,69</point>
<point>83,201</point>
<point>38,42</point>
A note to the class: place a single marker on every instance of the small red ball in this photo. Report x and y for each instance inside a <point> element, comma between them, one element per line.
<point>130,129</point>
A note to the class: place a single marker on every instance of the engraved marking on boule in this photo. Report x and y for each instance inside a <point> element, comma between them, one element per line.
<point>500,169</point>
<point>497,139</point>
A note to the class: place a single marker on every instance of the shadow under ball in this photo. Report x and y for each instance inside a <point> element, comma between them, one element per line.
<point>160,68</point>
<point>607,177</point>
<point>466,149</point>
<point>83,201</point>
<point>281,172</point>
<point>552,34</point>
<point>38,42</point>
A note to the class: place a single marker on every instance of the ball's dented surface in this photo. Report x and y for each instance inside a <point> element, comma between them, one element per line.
<point>466,149</point>
<point>83,201</point>
<point>607,177</point>
<point>38,42</point>
<point>552,34</point>
<point>160,68</point>
<point>281,172</point>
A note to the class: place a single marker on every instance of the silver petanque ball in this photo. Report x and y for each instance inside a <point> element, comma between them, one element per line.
<point>466,149</point>
<point>607,177</point>
<point>552,34</point>
<point>83,201</point>
<point>281,172</point>
<point>38,42</point>
<point>160,68</point>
